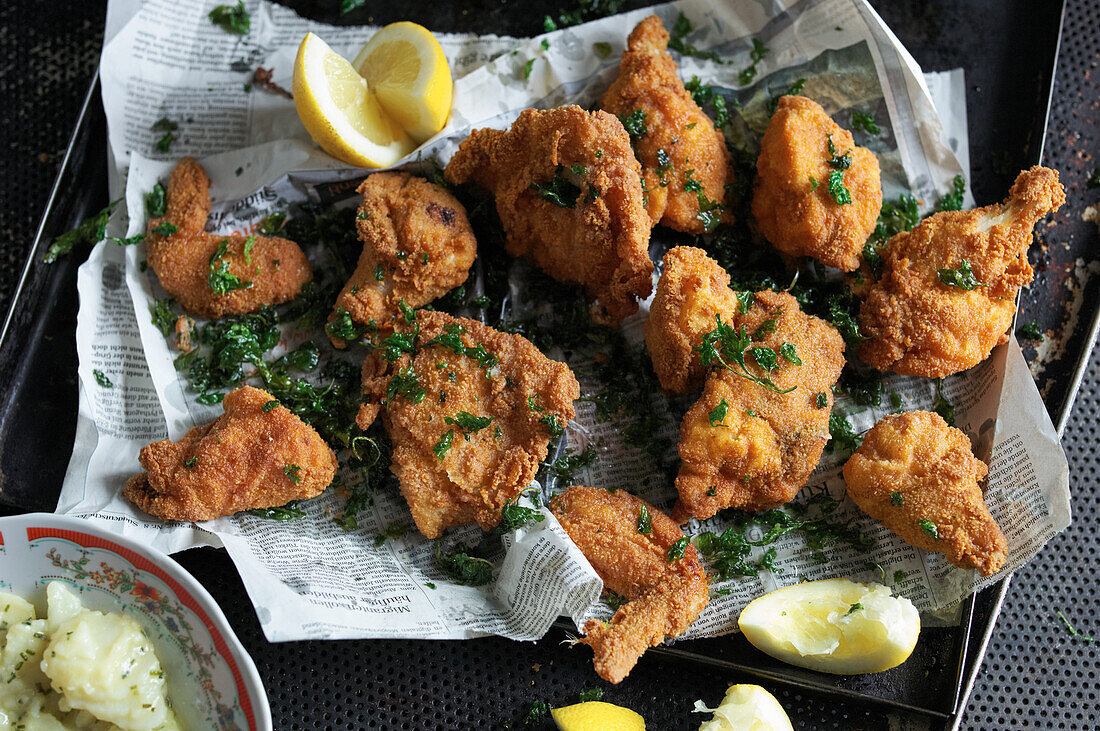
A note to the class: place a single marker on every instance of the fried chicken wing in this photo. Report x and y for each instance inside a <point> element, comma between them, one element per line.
<point>680,145</point>
<point>249,457</point>
<point>693,288</point>
<point>665,594</point>
<point>918,476</point>
<point>745,445</point>
<point>470,413</point>
<point>417,245</point>
<point>804,159</point>
<point>210,275</point>
<point>569,195</point>
<point>918,320</point>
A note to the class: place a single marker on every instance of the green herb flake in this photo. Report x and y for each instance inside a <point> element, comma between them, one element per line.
<point>602,49</point>
<point>942,406</point>
<point>90,231</point>
<point>821,400</point>
<point>676,550</point>
<point>220,280</point>
<point>468,423</point>
<point>270,406</point>
<point>953,201</point>
<point>725,344</point>
<point>393,530</point>
<point>865,122</point>
<point>899,576</point>
<point>962,277</point>
<point>634,124</point>
<point>559,190</point>
<point>1073,630</point>
<point>406,384</point>
<point>645,521</point>
<point>545,44</point>
<point>514,516</point>
<point>102,379</point>
<point>717,415</point>
<point>190,463</point>
<point>444,444</point>
<point>553,425</point>
<point>165,229</point>
<point>527,68</point>
<point>814,183</point>
<point>614,601</point>
<point>896,499</point>
<point>787,350</point>
<point>1030,330</point>
<point>156,201</point>
<point>853,609</point>
<point>164,319</point>
<point>232,18</point>
<point>290,511</point>
<point>462,567</point>
<point>744,301</point>
<point>841,195</point>
<point>291,471</point>
<point>272,223</point>
<point>593,694</point>
<point>841,435</point>
<point>929,528</point>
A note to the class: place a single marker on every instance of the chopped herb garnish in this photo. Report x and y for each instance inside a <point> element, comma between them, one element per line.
<point>405,383</point>
<point>841,435</point>
<point>291,471</point>
<point>634,124</point>
<point>527,68</point>
<point>559,190</point>
<point>594,694</point>
<point>896,499</point>
<point>467,423</point>
<point>744,301</point>
<point>614,600</point>
<point>553,425</point>
<point>841,195</point>
<point>156,201</point>
<point>545,44</point>
<point>566,466</point>
<point>787,350</point>
<point>725,344</point>
<point>271,223</point>
<point>677,549</point>
<point>163,317</point>
<point>444,444</point>
<point>91,231</point>
<point>290,511</point>
<point>756,54</point>
<point>166,229</point>
<point>219,279</point>
<point>961,277</point>
<point>645,521</point>
<point>853,609</point>
<point>821,400</point>
<point>718,414</point>
<point>270,405</point>
<point>814,183</point>
<point>393,530</point>
<point>864,121</point>
<point>1072,630</point>
<point>929,528</point>
<point>514,516</point>
<point>942,406</point>
<point>102,379</point>
<point>1030,330</point>
<point>602,49</point>
<point>190,463</point>
<point>232,18</point>
<point>953,201</point>
<point>408,312</point>
<point>899,576</point>
<point>462,567</point>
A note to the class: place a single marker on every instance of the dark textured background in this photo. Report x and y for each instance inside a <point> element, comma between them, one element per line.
<point>1036,674</point>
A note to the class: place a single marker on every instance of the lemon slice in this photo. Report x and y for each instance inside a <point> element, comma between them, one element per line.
<point>406,69</point>
<point>340,112</point>
<point>835,626</point>
<point>746,707</point>
<point>597,716</point>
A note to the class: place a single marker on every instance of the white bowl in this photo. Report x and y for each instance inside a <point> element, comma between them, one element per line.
<point>212,681</point>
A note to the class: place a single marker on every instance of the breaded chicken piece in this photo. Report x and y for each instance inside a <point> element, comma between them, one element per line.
<point>917,324</point>
<point>247,458</point>
<point>918,477</point>
<point>249,271</point>
<point>469,428</point>
<point>680,143</point>
<point>569,194</point>
<point>693,288</point>
<point>792,200</point>
<point>744,445</point>
<point>665,594</point>
<point>417,246</point>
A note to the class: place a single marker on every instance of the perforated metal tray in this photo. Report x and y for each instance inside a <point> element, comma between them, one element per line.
<point>406,684</point>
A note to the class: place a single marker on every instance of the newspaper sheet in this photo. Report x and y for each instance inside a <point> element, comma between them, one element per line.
<point>311,578</point>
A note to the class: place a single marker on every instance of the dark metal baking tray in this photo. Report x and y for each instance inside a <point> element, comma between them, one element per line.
<point>38,389</point>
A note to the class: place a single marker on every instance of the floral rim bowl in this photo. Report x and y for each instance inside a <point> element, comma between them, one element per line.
<point>212,681</point>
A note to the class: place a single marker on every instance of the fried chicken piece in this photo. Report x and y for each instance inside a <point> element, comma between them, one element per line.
<point>742,444</point>
<point>417,246</point>
<point>693,288</point>
<point>918,477</point>
<point>569,194</point>
<point>680,143</point>
<point>249,271</point>
<point>469,428</point>
<point>803,150</point>
<point>665,595</point>
<point>247,458</point>
<point>917,324</point>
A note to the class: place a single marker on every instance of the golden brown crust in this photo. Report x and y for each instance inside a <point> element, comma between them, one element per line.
<point>917,460</point>
<point>919,326</point>
<point>419,235</point>
<point>762,452</point>
<point>602,241</point>
<point>665,596</point>
<point>237,462</point>
<point>522,393</point>
<point>693,288</point>
<point>799,217</point>
<point>276,267</point>
<point>649,81</point>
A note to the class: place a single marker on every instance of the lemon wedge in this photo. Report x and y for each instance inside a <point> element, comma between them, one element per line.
<point>835,626</point>
<point>340,112</point>
<point>406,69</point>
<point>746,707</point>
<point>597,716</point>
